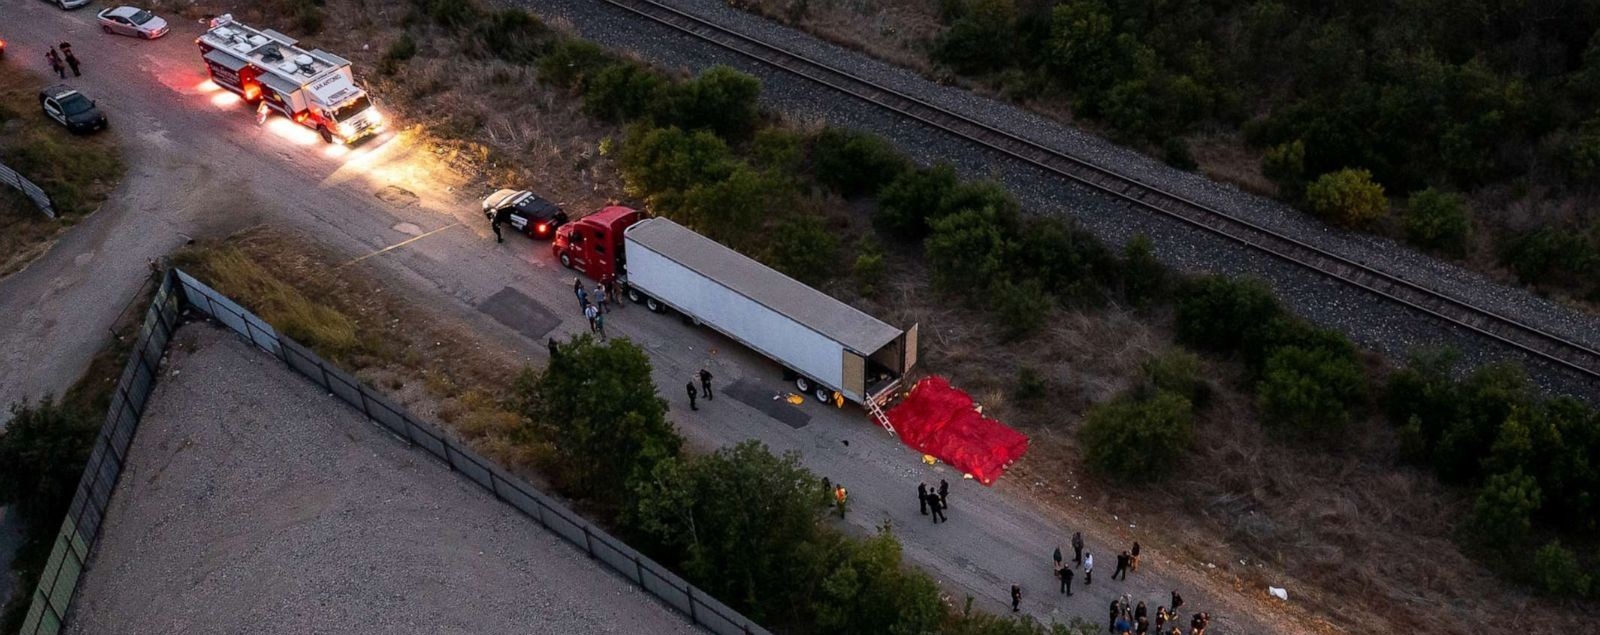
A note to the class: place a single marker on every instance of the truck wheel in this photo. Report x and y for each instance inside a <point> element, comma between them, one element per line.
<point>327,135</point>
<point>654,306</point>
<point>824,395</point>
<point>634,296</point>
<point>803,384</point>
<point>566,261</point>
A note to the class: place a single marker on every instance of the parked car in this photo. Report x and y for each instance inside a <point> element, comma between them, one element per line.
<point>525,212</point>
<point>71,108</point>
<point>68,4</point>
<point>132,21</point>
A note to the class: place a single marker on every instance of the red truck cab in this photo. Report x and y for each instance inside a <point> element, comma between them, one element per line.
<point>592,245</point>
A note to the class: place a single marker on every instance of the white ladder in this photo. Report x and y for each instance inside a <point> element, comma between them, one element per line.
<point>877,414</point>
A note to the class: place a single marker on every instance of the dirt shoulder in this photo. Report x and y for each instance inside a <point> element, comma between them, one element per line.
<point>77,171</point>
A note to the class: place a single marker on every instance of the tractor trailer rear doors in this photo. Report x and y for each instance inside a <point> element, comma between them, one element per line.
<point>832,349</point>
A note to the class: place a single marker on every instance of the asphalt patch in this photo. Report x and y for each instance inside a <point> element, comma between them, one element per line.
<point>518,311</point>
<point>759,397</point>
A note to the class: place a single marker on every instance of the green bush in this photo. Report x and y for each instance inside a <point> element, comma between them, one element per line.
<point>981,39</point>
<point>803,248</point>
<point>1020,307</point>
<point>1144,278</point>
<point>1581,153</point>
<point>853,163</point>
<point>1179,372</point>
<point>869,269</point>
<point>967,251</point>
<point>721,99</point>
<point>658,161</point>
<point>868,591</point>
<point>1347,198</point>
<point>1438,220</point>
<point>1224,314</point>
<point>1551,255</point>
<point>982,195</point>
<point>1175,152</point>
<point>306,16</point>
<point>1031,386</point>
<point>1500,515</point>
<point>730,209</point>
<point>597,403</point>
<point>512,35</point>
<point>779,150</point>
<point>1558,572</point>
<point>625,91</point>
<point>572,63</point>
<point>906,204</point>
<point>1120,438</point>
<point>1069,260</point>
<point>402,49</point>
<point>42,454</point>
<point>1285,165</point>
<point>452,14</point>
<point>742,521</point>
<point>1309,393</point>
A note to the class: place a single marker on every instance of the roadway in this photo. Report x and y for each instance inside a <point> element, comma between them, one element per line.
<point>200,167</point>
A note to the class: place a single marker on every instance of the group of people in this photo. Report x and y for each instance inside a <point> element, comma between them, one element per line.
<point>61,61</point>
<point>934,501</point>
<point>705,387</point>
<point>1124,619</point>
<point>597,303</point>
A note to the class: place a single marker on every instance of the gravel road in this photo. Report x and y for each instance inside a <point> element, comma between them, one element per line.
<point>253,503</point>
<point>1376,324</point>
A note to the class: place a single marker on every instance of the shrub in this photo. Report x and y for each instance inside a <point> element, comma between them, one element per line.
<point>867,591</point>
<point>1222,314</point>
<point>803,248</point>
<point>1179,372</point>
<point>625,91</point>
<point>402,49</point>
<point>967,250</point>
<point>571,63</point>
<point>906,204</point>
<point>1309,392</point>
<point>1068,259</point>
<point>981,39</point>
<point>740,520</point>
<point>1347,198</point>
<point>1031,386</point>
<point>1020,307</point>
<point>1488,396</point>
<point>1175,152</point>
<point>1144,278</point>
<point>306,16</point>
<point>655,161</point>
<point>1285,165</point>
<point>720,99</point>
<point>512,35</point>
<point>1120,438</point>
<point>1438,220</point>
<point>1501,512</point>
<point>1547,255</point>
<point>1581,153</point>
<point>854,164</point>
<point>597,403</point>
<point>1425,397</point>
<point>42,453</point>
<point>1557,571</point>
<point>982,195</point>
<point>868,269</point>
<point>729,209</point>
<point>779,150</point>
<point>452,14</point>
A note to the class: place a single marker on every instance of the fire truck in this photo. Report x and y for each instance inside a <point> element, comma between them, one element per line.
<point>313,88</point>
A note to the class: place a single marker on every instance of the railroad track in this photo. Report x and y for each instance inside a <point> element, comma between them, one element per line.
<point>1485,322</point>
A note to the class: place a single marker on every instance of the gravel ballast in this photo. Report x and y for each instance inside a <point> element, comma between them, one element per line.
<point>1375,323</point>
<point>254,503</point>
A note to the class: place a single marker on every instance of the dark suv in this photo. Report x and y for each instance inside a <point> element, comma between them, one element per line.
<point>525,212</point>
<point>71,108</point>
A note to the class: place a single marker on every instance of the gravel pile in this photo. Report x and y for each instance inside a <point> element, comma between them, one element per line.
<point>253,503</point>
<point>1372,322</point>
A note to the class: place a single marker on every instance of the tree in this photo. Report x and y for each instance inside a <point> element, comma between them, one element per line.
<point>729,209</point>
<point>1558,571</point>
<point>1285,164</point>
<point>42,453</point>
<point>1066,258</point>
<point>1347,198</point>
<point>867,591</point>
<point>598,405</point>
<point>1438,220</point>
<point>1504,504</point>
<point>906,204</point>
<point>657,161</point>
<point>854,164</point>
<point>868,269</point>
<point>967,250</point>
<point>741,520</point>
<point>1081,39</point>
<point>803,248</point>
<point>1144,278</point>
<point>1222,314</point>
<point>1309,392</point>
<point>1114,434</point>
<point>721,99</point>
<point>625,91</point>
<point>981,39</point>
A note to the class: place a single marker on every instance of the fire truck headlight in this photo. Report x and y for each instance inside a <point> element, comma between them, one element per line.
<point>375,116</point>
<point>346,129</point>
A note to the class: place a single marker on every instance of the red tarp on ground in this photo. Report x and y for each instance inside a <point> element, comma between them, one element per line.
<point>938,420</point>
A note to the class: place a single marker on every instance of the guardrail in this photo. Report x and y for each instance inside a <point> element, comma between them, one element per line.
<point>178,291</point>
<point>40,200</point>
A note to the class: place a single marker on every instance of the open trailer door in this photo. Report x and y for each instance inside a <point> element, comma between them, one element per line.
<point>910,350</point>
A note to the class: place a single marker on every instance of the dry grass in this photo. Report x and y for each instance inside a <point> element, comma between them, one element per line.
<point>78,172</point>
<point>897,31</point>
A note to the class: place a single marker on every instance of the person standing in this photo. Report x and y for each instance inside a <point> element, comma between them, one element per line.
<point>1133,557</point>
<point>1116,612</point>
<point>591,313</point>
<point>922,497</point>
<point>1016,597</point>
<point>599,323</point>
<point>613,290</point>
<point>937,505</point>
<point>1141,626</point>
<point>583,296</point>
<point>494,221</point>
<point>72,60</point>
<point>705,384</point>
<point>840,494</point>
<point>1177,603</point>
<point>1161,619</point>
<point>1088,569</point>
<point>944,494</point>
<point>601,298</point>
<point>692,394</point>
<point>1057,557</point>
<point>1065,573</point>
<point>55,63</point>
<point>1140,612</point>
<point>1077,547</point>
<point>1122,566</point>
<point>554,352</point>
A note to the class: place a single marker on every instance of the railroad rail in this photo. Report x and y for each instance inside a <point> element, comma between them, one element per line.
<point>1561,351</point>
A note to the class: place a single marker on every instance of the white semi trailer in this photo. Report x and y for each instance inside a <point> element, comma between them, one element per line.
<point>828,348</point>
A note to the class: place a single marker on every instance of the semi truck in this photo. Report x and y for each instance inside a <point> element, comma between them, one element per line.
<point>829,349</point>
<point>313,88</point>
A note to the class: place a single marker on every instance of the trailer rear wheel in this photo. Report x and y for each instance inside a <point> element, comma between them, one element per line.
<point>654,305</point>
<point>823,395</point>
<point>802,383</point>
<point>634,296</point>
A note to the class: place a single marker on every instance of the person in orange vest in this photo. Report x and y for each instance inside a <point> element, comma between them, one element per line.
<point>839,496</point>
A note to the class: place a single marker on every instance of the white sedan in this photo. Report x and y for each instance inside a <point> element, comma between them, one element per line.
<point>132,21</point>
